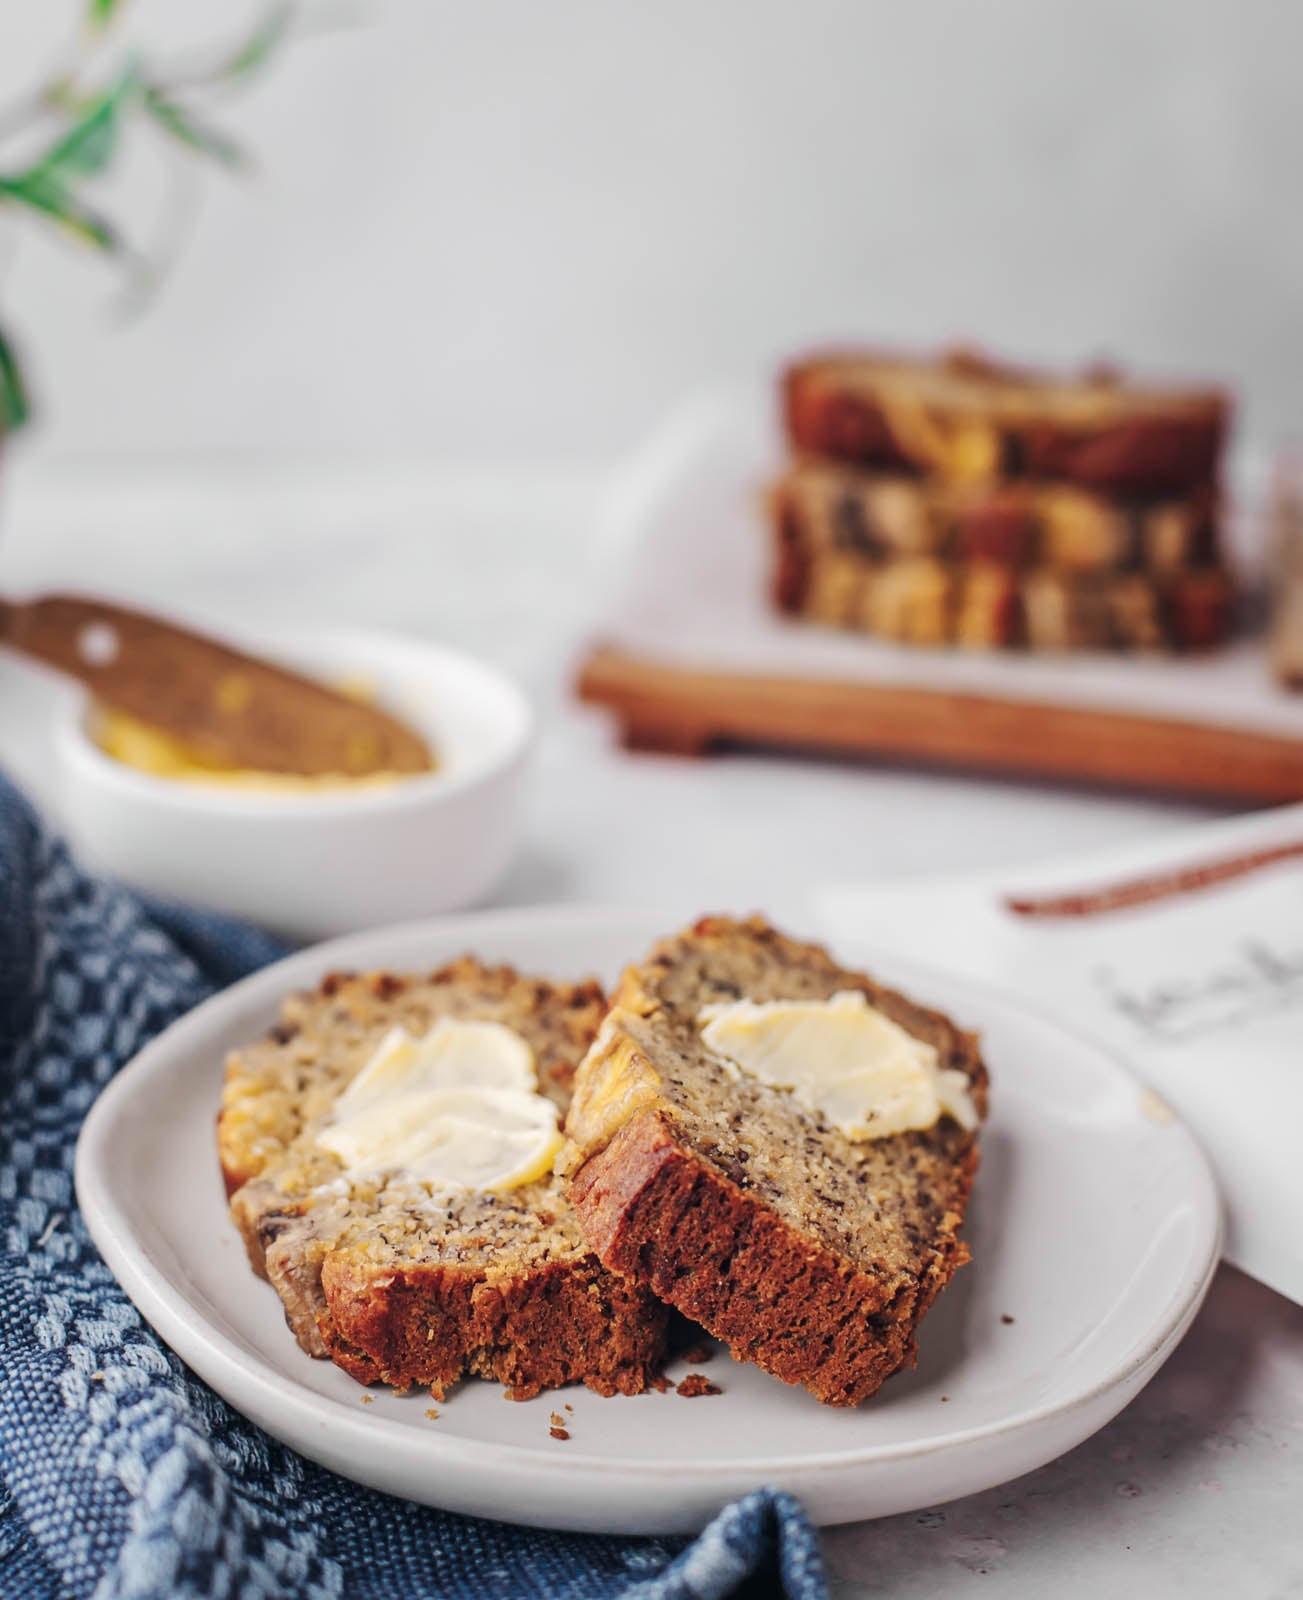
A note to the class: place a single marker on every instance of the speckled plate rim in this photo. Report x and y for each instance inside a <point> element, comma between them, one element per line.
<point>373,1449</point>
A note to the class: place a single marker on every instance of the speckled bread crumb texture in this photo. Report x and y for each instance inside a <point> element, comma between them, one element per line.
<point>811,1255</point>
<point>695,1385</point>
<point>391,1282</point>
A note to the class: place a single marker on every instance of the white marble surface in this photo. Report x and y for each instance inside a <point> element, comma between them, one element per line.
<point>1195,1489</point>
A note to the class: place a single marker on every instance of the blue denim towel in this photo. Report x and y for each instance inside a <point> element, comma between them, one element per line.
<point>120,1473</point>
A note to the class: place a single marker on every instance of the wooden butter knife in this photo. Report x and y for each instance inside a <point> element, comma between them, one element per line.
<point>229,708</point>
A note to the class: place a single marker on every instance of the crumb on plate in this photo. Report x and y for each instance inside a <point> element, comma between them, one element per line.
<point>697,1383</point>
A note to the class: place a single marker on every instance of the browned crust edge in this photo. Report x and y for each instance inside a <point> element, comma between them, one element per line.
<point>1138,455</point>
<point>790,581</point>
<point>432,1325</point>
<point>656,1211</point>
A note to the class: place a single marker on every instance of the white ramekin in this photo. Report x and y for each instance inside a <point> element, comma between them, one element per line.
<point>313,866</point>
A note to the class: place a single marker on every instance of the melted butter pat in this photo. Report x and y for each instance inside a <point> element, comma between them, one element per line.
<point>843,1058</point>
<point>456,1109</point>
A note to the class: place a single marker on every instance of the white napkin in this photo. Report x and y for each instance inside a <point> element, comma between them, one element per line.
<point>1183,956</point>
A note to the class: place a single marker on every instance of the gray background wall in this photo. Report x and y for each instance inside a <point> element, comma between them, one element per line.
<point>520,229</point>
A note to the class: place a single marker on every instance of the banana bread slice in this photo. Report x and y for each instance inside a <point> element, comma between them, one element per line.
<point>809,1253</point>
<point>391,1280</point>
<point>967,418</point>
<point>981,603</point>
<point>890,516</point>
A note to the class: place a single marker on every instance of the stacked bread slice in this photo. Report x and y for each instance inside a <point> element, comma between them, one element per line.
<point>964,503</point>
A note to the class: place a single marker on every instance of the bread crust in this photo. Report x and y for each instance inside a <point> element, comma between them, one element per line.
<point>430,1326</point>
<point>865,406</point>
<point>790,583</point>
<point>658,1213</point>
<point>666,1215</point>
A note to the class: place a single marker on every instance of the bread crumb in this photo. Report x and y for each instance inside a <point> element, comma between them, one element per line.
<point>97,1377</point>
<point>367,1399</point>
<point>432,1413</point>
<point>944,1398</point>
<point>1005,1318</point>
<point>697,1355</point>
<point>660,1383</point>
<point>569,1407</point>
<point>697,1383</point>
<point>558,1433</point>
<point>557,1420</point>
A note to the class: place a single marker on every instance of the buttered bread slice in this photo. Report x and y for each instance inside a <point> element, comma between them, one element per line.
<point>388,1148</point>
<point>781,1149</point>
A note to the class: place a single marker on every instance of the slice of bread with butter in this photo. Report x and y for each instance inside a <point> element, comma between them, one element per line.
<point>388,1149</point>
<point>781,1149</point>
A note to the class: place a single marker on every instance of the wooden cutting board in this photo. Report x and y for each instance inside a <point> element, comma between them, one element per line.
<point>692,657</point>
<point>687,711</point>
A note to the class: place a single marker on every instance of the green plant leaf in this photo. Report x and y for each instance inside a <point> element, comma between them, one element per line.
<point>88,146</point>
<point>181,124</point>
<point>82,151</point>
<point>45,193</point>
<point>258,48</point>
<point>100,13</point>
<point>14,407</point>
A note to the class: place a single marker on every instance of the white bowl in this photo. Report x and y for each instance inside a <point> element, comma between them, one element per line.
<point>310,866</point>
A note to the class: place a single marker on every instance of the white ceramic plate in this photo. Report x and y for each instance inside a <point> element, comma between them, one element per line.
<point>1095,1227</point>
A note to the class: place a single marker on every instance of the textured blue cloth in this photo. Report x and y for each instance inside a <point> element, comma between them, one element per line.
<point>120,1473</point>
